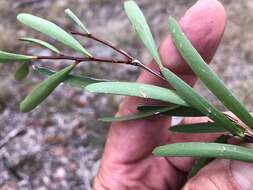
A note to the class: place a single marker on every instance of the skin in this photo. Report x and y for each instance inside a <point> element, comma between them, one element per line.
<point>127,161</point>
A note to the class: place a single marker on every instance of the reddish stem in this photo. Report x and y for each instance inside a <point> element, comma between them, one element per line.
<point>109,44</point>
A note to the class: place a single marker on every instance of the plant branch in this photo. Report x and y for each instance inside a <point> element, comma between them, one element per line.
<point>83,59</point>
<point>140,64</point>
<point>134,62</point>
<point>127,55</point>
<point>109,44</point>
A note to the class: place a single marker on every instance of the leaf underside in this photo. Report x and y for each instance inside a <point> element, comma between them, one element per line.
<point>207,127</point>
<point>76,20</point>
<point>208,150</point>
<point>22,72</point>
<point>41,43</point>
<point>139,115</point>
<point>40,92</point>
<point>200,103</point>
<point>6,57</point>
<point>141,27</point>
<point>73,80</point>
<point>207,75</point>
<point>148,111</point>
<point>201,162</point>
<point>52,30</point>
<point>137,90</point>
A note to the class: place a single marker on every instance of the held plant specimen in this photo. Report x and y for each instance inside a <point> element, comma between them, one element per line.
<point>182,100</point>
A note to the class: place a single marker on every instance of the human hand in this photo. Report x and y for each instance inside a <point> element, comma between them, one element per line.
<point>128,162</point>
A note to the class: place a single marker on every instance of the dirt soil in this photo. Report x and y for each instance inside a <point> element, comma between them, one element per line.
<point>59,145</point>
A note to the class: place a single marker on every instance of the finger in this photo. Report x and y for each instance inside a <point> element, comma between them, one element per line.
<point>130,141</point>
<point>223,174</point>
<point>185,163</point>
<point>204,25</point>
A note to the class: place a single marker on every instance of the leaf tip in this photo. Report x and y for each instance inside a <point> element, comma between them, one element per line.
<point>156,151</point>
<point>68,10</point>
<point>126,3</point>
<point>90,88</point>
<point>171,22</point>
<point>23,108</point>
<point>21,16</point>
<point>103,119</point>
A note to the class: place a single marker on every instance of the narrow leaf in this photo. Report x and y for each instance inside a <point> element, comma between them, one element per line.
<point>139,115</point>
<point>52,30</point>
<point>145,108</point>
<point>74,18</point>
<point>207,127</point>
<point>22,72</point>
<point>141,27</point>
<point>44,89</point>
<point>156,110</point>
<point>207,75</point>
<point>182,111</point>
<point>200,103</point>
<point>41,43</point>
<point>201,162</point>
<point>179,111</point>
<point>73,80</point>
<point>208,150</point>
<point>137,90</point>
<point>6,57</point>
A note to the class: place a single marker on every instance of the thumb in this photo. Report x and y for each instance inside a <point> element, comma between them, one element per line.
<point>223,174</point>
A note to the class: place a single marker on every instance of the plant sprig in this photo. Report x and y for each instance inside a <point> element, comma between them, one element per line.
<point>182,100</point>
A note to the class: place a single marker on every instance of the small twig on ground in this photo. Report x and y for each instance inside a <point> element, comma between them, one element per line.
<point>13,134</point>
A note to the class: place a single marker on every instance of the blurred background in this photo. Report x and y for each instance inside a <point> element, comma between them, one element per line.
<point>59,145</point>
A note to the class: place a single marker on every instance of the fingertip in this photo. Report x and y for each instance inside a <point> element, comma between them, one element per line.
<point>214,176</point>
<point>223,174</point>
<point>242,174</point>
<point>204,24</point>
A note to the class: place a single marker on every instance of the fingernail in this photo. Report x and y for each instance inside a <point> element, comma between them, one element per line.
<point>242,173</point>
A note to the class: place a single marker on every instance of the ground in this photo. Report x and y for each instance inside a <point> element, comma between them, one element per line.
<point>60,143</point>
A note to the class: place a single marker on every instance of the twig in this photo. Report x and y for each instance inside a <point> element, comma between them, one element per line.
<point>140,64</point>
<point>127,55</point>
<point>13,171</point>
<point>109,44</point>
<point>130,60</point>
<point>83,59</point>
<point>247,130</point>
<point>13,134</point>
<point>134,62</point>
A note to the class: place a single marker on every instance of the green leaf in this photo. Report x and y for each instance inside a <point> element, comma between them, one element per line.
<point>200,103</point>
<point>145,108</point>
<point>6,57</point>
<point>207,127</point>
<point>22,72</point>
<point>44,89</point>
<point>41,43</point>
<point>52,30</point>
<point>139,115</point>
<point>201,162</point>
<point>73,80</point>
<point>73,17</point>
<point>206,74</point>
<point>137,90</point>
<point>141,27</point>
<point>156,110</point>
<point>180,111</point>
<point>208,150</point>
